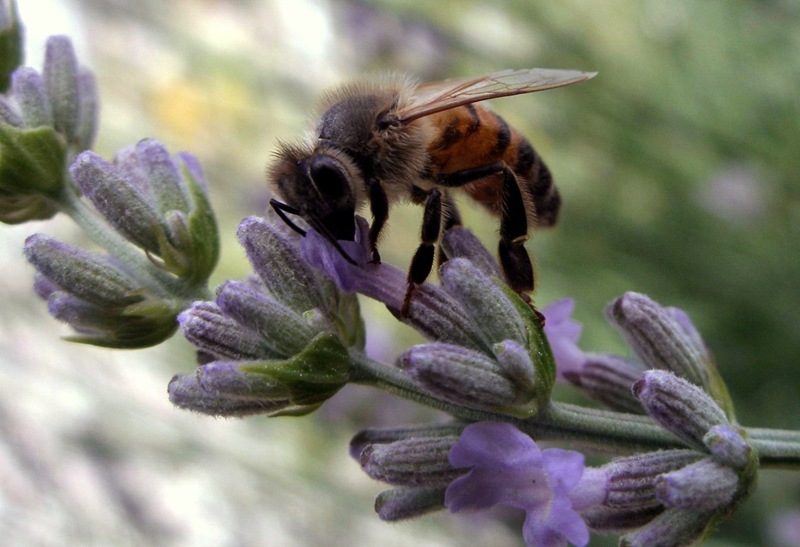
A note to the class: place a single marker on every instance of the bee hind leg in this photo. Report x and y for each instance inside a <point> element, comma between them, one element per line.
<point>422,262</point>
<point>514,258</point>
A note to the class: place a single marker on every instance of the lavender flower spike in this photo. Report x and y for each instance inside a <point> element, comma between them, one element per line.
<point>44,121</point>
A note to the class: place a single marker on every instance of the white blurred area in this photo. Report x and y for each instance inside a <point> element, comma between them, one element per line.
<point>91,450</point>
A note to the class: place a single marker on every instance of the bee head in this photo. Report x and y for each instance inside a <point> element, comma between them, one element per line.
<point>322,185</point>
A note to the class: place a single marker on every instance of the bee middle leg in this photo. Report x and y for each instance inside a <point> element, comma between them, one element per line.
<point>450,218</point>
<point>422,262</point>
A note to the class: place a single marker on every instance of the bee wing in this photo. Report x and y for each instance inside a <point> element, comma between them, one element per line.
<point>437,96</point>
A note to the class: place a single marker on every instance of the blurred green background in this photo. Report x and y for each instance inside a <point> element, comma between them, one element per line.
<point>678,165</point>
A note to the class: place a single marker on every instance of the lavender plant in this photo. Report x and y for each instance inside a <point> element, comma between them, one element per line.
<point>288,338</point>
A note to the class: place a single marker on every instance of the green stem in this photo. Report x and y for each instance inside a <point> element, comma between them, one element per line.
<point>600,431</point>
<point>777,448</point>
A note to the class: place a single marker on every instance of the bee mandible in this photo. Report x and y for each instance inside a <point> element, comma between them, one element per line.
<point>392,140</point>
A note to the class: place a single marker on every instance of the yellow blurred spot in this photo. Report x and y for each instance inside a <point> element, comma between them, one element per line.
<point>181,108</point>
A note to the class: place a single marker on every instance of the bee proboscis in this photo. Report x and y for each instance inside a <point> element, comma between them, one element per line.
<point>392,140</point>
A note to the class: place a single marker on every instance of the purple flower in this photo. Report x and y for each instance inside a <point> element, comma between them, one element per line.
<point>434,311</point>
<point>563,332</point>
<point>507,467</point>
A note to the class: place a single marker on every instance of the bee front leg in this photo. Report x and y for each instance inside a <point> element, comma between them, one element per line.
<point>422,262</point>
<point>379,206</point>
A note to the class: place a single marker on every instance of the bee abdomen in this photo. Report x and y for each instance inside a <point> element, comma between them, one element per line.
<point>531,168</point>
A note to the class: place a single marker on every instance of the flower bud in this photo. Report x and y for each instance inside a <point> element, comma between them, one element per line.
<point>679,406</point>
<point>459,242</point>
<point>608,379</point>
<point>702,486</point>
<point>277,261</point>
<point>616,520</point>
<point>515,362</point>
<point>294,386</point>
<point>44,118</point>
<point>30,94</point>
<point>367,437</point>
<point>728,446</point>
<point>88,276</point>
<point>125,205</point>
<point>670,528</point>
<point>463,377</point>
<point>419,461</point>
<point>210,330</point>
<point>658,339</point>
<point>484,301</point>
<point>185,392</point>
<point>87,120</point>
<point>97,296</point>
<point>60,78</point>
<point>631,480</point>
<point>282,328</point>
<point>404,503</point>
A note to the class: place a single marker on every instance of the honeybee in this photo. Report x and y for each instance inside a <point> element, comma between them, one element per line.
<point>392,140</point>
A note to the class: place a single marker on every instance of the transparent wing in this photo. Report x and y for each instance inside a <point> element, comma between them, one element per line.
<point>437,96</point>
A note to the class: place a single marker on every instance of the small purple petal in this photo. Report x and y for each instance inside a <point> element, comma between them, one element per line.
<point>564,467</point>
<point>563,333</point>
<point>555,525</point>
<point>490,443</point>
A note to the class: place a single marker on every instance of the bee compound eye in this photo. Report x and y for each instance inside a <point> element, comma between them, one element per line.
<point>328,176</point>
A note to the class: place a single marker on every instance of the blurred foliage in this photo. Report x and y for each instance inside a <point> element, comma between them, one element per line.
<point>678,163</point>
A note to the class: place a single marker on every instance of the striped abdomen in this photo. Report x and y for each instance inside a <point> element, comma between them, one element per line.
<point>473,136</point>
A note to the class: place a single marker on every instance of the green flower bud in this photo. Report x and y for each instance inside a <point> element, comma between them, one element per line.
<point>11,42</point>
